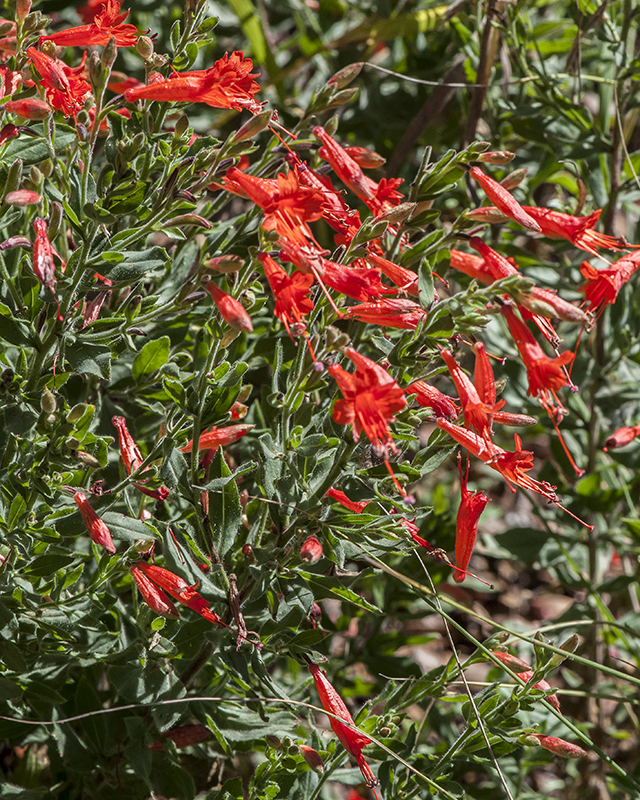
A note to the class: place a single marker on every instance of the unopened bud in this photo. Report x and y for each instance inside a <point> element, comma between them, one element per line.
<point>489,214</point>
<point>248,298</point>
<point>189,219</point>
<point>558,746</point>
<point>497,157</point>
<point>95,69</point>
<point>22,197</point>
<point>514,179</point>
<point>29,108</point>
<point>181,126</point>
<point>293,750</point>
<point>569,647</point>
<point>511,662</point>
<point>385,731</point>
<point>49,48</point>
<point>48,402</point>
<point>77,412</point>
<point>145,47</point>
<point>36,175</point>
<point>253,126</point>
<point>365,158</point>
<point>332,125</point>
<point>342,98</point>
<point>15,241</point>
<point>311,550</point>
<point>514,420</point>
<point>273,741</point>
<point>56,214</point>
<point>227,263</point>
<point>109,54</point>
<point>313,758</point>
<point>247,551</point>
<point>72,443</point>
<point>398,213</point>
<point>6,27</point>
<point>86,458</point>
<point>345,76</point>
<point>23,7</point>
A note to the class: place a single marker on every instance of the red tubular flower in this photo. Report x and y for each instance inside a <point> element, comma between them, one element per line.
<point>43,264</point>
<point>313,758</point>
<point>578,230</point>
<point>603,285</point>
<point>357,506</point>
<point>512,466</point>
<point>430,397</point>
<point>371,400</point>
<point>107,23</point>
<point>473,266</point>
<point>351,740</point>
<point>472,504</point>
<point>483,378</point>
<point>559,746</point>
<point>227,84</point>
<point>514,420</point>
<point>405,279</point>
<point>29,108</point>
<point>388,312</point>
<point>335,211</point>
<point>477,414</point>
<point>177,587</point>
<point>154,597</point>
<point>215,437</point>
<point>621,437</point>
<point>288,206</point>
<point>132,458</point>
<point>231,311</point>
<point>98,530</point>
<point>290,291</point>
<point>359,284</point>
<point>504,200</point>
<point>65,88</point>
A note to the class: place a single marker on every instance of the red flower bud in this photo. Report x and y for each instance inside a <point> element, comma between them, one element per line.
<point>311,550</point>
<point>98,530</point>
<point>22,197</point>
<point>621,437</point>
<point>231,311</point>
<point>313,758</point>
<point>559,746</point>
<point>29,108</point>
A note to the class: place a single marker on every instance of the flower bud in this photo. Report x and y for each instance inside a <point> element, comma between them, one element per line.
<point>86,458</point>
<point>72,443</point>
<point>342,98</point>
<point>489,214</point>
<point>48,402</point>
<point>98,530</point>
<point>513,663</point>
<point>385,731</point>
<point>181,126</point>
<point>77,412</point>
<point>189,219</point>
<point>558,746</point>
<point>230,309</point>
<point>345,75</point>
<point>252,127</point>
<point>365,158</point>
<point>313,758</point>
<point>227,263</point>
<point>29,108</point>
<point>273,741</point>
<point>145,47</point>
<point>109,54</point>
<point>23,7</point>
<point>187,735</point>
<point>48,48</point>
<point>514,179</point>
<point>497,157</point>
<point>7,27</point>
<point>621,437</point>
<point>22,197</point>
<point>311,550</point>
<point>15,241</point>
<point>569,647</point>
<point>247,552</point>
<point>153,596</point>
<point>398,213</point>
<point>332,125</point>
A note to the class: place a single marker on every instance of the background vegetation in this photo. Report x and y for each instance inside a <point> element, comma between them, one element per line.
<point>90,678</point>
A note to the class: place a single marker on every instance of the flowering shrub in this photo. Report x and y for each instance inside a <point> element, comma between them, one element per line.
<point>238,362</point>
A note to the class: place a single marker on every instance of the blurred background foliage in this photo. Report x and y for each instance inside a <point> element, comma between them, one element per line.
<point>75,640</point>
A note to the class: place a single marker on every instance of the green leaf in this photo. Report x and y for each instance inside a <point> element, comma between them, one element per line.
<point>225,511</point>
<point>90,359</point>
<point>34,150</point>
<point>46,565</point>
<point>330,586</point>
<point>153,355</point>
<point>127,528</point>
<point>131,265</point>
<point>425,284</point>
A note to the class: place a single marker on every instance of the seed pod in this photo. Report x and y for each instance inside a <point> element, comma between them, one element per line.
<point>48,402</point>
<point>145,47</point>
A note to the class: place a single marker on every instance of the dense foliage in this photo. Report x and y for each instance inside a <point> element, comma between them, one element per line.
<point>180,265</point>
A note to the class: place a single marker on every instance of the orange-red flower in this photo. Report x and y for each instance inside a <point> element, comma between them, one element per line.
<point>578,230</point>
<point>472,504</point>
<point>477,413</point>
<point>215,437</point>
<point>65,87</point>
<point>231,311</point>
<point>43,264</point>
<point>154,597</point>
<point>107,22</point>
<point>504,200</point>
<point>390,312</point>
<point>371,399</point>
<point>359,284</point>
<point>473,266</point>
<point>603,285</point>
<point>357,506</point>
<point>98,530</point>
<point>351,740</point>
<point>227,84</point>
<point>177,587</point>
<point>430,397</point>
<point>290,291</point>
<point>288,206</point>
<point>404,278</point>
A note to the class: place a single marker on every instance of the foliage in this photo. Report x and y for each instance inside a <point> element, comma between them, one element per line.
<point>91,679</point>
